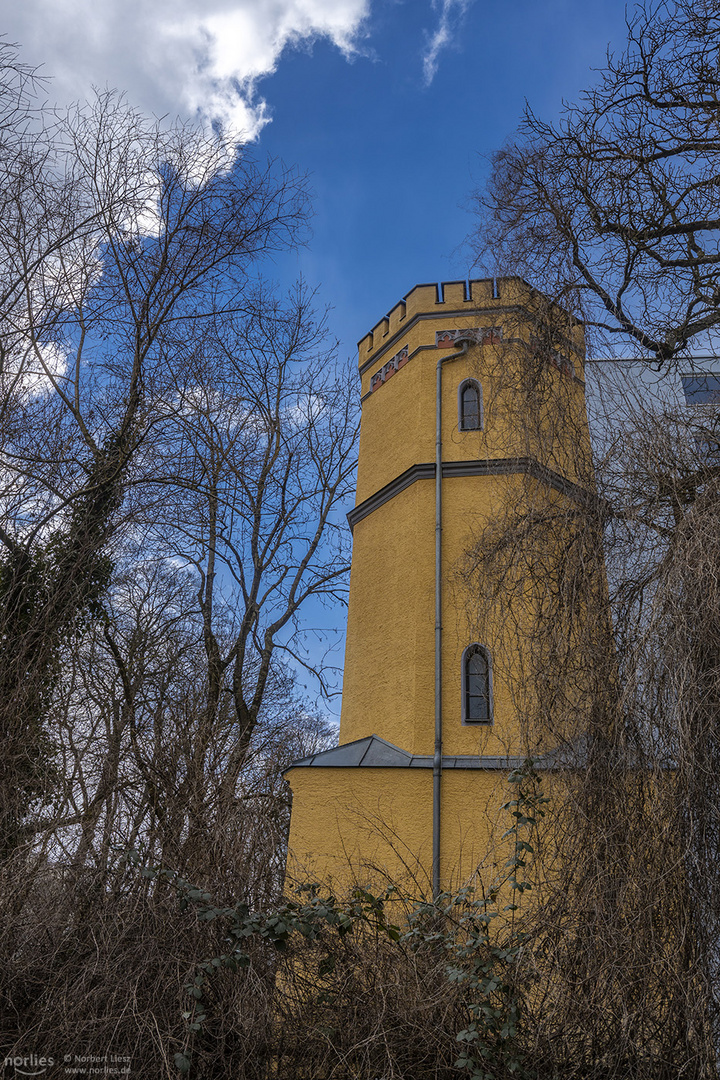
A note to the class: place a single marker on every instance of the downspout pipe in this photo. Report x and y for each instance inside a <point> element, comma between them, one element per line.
<point>437,756</point>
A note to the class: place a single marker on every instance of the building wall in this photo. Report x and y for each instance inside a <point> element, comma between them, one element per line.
<point>369,826</point>
<point>346,821</point>
<point>388,684</point>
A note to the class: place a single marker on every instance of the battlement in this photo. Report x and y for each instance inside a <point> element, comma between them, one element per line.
<point>441,299</point>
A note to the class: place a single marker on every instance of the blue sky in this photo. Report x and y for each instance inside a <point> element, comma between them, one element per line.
<point>389,105</point>
<point>393,160</point>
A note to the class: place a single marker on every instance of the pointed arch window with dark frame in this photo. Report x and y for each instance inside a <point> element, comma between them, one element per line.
<point>477,703</point>
<point>470,406</point>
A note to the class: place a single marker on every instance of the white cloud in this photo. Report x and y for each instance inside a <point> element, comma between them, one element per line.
<point>197,59</point>
<point>451,13</point>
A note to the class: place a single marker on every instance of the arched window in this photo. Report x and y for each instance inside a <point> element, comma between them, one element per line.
<point>477,702</point>
<point>470,410</point>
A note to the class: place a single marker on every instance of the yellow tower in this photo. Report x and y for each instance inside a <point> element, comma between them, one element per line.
<point>428,727</point>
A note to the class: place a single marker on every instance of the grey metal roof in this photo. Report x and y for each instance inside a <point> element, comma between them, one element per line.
<point>374,752</point>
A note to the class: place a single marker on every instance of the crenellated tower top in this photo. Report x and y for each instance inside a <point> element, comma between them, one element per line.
<point>442,300</point>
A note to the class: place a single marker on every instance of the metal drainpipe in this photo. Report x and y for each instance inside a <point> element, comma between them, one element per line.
<point>437,756</point>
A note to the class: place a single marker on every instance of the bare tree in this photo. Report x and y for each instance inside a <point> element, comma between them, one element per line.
<point>603,605</point>
<point>260,458</point>
<point>235,504</point>
<point>178,446</point>
<point>114,245</point>
<point>614,210</point>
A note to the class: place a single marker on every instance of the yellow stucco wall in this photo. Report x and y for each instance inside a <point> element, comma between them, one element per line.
<point>388,686</point>
<point>398,420</point>
<point>370,826</point>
